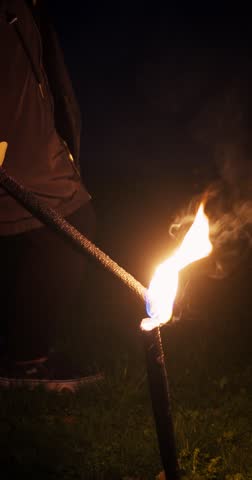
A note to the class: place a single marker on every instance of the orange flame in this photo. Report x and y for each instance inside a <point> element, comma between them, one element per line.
<point>164,284</point>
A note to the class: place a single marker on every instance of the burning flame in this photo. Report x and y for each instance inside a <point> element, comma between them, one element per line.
<point>164,284</point>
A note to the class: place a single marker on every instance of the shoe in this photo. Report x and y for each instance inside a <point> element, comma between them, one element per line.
<point>54,373</point>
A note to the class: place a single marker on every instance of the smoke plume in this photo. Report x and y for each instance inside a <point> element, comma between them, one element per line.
<point>224,129</point>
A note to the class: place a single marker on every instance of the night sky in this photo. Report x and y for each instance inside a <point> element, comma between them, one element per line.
<point>164,95</point>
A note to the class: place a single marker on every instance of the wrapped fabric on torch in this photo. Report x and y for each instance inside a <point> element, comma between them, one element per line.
<point>56,222</point>
<point>160,398</point>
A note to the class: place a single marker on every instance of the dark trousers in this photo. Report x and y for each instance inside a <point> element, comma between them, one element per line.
<point>41,287</point>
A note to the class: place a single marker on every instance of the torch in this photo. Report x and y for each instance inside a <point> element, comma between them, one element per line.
<point>159,299</point>
<point>159,304</point>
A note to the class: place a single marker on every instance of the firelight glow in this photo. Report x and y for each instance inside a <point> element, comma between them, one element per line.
<point>164,284</point>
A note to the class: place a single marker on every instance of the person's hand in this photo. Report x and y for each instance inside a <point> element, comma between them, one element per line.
<point>3,148</point>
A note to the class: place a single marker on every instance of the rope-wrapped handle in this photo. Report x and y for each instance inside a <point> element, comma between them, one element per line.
<point>56,222</point>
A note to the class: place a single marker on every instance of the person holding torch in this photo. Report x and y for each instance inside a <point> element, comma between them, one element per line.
<point>41,275</point>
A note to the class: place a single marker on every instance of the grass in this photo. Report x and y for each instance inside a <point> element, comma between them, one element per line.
<point>108,431</point>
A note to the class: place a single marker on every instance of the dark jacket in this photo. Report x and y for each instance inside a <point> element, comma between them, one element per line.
<point>66,109</point>
<point>39,115</point>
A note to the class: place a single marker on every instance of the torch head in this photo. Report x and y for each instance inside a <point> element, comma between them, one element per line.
<point>163,287</point>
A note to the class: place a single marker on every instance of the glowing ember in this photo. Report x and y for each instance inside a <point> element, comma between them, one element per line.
<point>164,284</point>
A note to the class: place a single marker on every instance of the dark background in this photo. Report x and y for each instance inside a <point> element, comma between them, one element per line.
<point>165,100</point>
